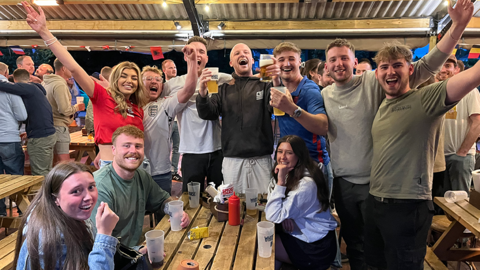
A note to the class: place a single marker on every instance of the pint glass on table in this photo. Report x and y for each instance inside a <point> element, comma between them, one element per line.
<point>265,61</point>
<point>212,85</point>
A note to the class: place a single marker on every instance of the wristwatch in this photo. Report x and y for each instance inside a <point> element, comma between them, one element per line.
<point>297,112</point>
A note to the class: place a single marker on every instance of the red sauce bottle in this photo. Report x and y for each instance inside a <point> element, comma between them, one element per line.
<point>234,210</point>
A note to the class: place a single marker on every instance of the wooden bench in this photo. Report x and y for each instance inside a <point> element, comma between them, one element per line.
<point>7,251</point>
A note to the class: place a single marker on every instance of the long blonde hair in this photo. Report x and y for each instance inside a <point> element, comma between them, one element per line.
<point>138,98</point>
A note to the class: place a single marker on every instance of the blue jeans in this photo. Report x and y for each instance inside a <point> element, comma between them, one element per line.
<point>164,181</point>
<point>12,161</point>
<point>175,143</point>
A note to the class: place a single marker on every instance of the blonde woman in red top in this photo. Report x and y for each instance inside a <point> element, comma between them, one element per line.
<point>120,104</point>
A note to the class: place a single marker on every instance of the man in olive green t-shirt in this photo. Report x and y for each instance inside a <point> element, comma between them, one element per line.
<point>405,136</point>
<point>128,190</point>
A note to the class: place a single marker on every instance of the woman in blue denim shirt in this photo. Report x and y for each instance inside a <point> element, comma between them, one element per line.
<point>58,221</point>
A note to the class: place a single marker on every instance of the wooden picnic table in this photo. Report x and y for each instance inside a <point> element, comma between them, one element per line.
<point>227,247</point>
<point>17,187</point>
<point>466,216</point>
<point>81,144</point>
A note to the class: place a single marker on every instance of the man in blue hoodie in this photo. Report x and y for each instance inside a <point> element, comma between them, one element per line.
<point>40,130</point>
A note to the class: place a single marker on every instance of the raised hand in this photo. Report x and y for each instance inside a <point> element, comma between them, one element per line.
<point>36,20</point>
<point>282,101</point>
<point>190,53</point>
<point>106,219</point>
<point>462,13</point>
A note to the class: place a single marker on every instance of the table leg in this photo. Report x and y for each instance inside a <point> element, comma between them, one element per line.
<point>443,247</point>
<point>79,155</point>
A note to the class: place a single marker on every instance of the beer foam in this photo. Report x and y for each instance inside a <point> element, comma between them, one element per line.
<point>266,62</point>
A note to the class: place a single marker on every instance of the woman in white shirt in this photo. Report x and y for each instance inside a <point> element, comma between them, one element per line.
<point>298,200</point>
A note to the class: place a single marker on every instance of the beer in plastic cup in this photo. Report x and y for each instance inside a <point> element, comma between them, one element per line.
<point>155,240</point>
<point>265,234</point>
<point>193,194</point>
<point>79,100</point>
<point>265,61</point>
<point>452,196</point>
<point>212,85</point>
<point>175,211</point>
<point>276,111</point>
<point>251,197</point>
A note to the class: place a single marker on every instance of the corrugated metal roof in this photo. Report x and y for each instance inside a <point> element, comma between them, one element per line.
<point>322,10</point>
<point>101,12</point>
<point>278,11</point>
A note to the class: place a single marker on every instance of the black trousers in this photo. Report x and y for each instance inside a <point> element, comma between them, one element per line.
<point>396,233</point>
<point>195,167</point>
<point>350,204</point>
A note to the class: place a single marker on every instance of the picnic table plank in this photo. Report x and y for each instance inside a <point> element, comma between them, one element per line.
<point>208,246</point>
<point>246,246</point>
<point>7,177</point>
<point>266,263</point>
<point>459,214</point>
<point>226,248</point>
<point>19,184</point>
<point>7,251</point>
<point>189,247</point>
<point>173,239</point>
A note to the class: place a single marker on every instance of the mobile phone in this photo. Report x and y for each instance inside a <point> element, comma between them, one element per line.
<point>96,75</point>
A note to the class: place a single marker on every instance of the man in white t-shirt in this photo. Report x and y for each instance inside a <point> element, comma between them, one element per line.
<point>159,114</point>
<point>462,128</point>
<point>199,139</point>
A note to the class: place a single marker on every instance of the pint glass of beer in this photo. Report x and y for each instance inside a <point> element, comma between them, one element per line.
<point>265,61</point>
<point>276,111</point>
<point>212,85</point>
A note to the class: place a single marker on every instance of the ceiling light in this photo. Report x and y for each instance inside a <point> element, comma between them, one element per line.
<point>221,25</point>
<point>177,25</point>
<point>164,4</point>
<point>47,2</point>
<point>207,8</point>
<point>446,3</point>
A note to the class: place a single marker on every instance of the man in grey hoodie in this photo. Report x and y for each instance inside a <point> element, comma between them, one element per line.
<point>59,97</point>
<point>13,110</point>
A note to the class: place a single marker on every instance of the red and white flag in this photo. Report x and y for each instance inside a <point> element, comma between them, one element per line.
<point>17,50</point>
<point>156,53</point>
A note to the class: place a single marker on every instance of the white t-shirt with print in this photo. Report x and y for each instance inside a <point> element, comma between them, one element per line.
<point>457,122</point>
<point>157,122</point>
<point>197,136</point>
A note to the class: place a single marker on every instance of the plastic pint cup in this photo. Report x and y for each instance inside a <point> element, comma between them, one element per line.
<point>452,196</point>
<point>79,100</point>
<point>276,111</point>
<point>193,194</point>
<point>155,249</point>
<point>175,211</point>
<point>251,197</point>
<point>265,61</point>
<point>265,234</point>
<point>212,85</point>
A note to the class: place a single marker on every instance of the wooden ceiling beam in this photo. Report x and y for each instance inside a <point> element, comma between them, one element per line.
<point>474,23</point>
<point>98,25</point>
<point>229,25</point>
<point>323,24</point>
